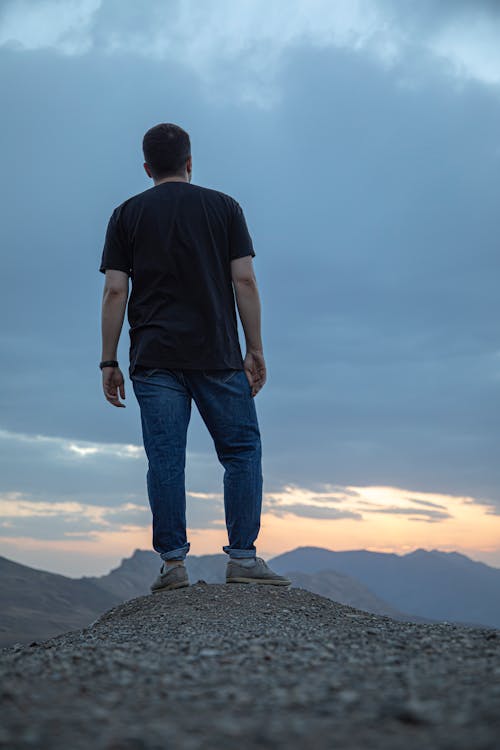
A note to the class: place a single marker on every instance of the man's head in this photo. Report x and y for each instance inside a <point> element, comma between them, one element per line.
<point>167,151</point>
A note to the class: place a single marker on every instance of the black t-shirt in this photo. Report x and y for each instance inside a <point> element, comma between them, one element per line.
<point>176,241</point>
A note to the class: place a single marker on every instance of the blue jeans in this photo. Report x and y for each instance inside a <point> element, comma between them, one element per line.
<point>226,405</point>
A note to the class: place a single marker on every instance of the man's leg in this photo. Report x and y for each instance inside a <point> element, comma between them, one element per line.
<point>224,400</point>
<point>165,406</point>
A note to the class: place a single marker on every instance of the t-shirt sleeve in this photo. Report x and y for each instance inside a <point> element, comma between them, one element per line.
<point>240,241</point>
<point>116,253</point>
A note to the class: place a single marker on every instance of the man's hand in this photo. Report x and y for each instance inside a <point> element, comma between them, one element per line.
<point>255,369</point>
<point>113,384</point>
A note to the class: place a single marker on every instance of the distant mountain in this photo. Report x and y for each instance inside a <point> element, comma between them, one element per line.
<point>422,586</point>
<point>445,586</point>
<point>131,578</point>
<point>134,575</point>
<point>347,590</point>
<point>35,604</point>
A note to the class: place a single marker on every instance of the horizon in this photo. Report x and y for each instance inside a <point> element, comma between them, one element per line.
<point>268,559</point>
<point>360,140</point>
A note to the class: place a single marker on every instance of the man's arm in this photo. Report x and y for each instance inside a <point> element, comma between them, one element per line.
<point>114,304</point>
<point>249,308</point>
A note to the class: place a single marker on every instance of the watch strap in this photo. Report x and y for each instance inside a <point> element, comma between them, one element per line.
<point>108,363</point>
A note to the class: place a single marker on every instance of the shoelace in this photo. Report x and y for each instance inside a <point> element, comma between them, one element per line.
<point>165,568</point>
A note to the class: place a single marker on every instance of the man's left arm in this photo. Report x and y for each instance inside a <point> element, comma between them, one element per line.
<point>114,304</point>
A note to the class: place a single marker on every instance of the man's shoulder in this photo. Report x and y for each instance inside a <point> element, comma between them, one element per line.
<point>145,195</point>
<point>133,200</point>
<point>120,211</point>
<point>217,195</point>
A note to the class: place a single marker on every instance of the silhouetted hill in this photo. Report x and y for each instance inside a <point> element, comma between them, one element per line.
<point>445,586</point>
<point>36,604</point>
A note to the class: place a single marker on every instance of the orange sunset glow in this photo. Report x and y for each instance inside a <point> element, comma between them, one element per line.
<point>383,519</point>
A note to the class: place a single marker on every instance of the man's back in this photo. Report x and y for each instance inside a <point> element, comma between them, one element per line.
<point>176,241</point>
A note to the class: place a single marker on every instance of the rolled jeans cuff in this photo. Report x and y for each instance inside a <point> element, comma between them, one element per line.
<point>176,554</point>
<point>234,554</point>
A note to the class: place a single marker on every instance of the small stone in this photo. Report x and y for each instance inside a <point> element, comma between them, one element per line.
<point>347,696</point>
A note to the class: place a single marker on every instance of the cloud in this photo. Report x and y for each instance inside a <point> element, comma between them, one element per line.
<point>24,515</point>
<point>312,511</point>
<point>94,535</point>
<point>462,35</point>
<point>414,514</point>
<point>79,486</point>
<point>29,515</point>
<point>382,344</point>
<point>61,24</point>
<point>91,471</point>
<point>21,516</point>
<point>471,49</point>
<point>427,503</point>
<point>67,468</point>
<point>254,37</point>
<point>64,449</point>
<point>357,504</point>
<point>369,174</point>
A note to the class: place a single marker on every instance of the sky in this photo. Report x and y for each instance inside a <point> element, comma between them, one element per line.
<point>362,140</point>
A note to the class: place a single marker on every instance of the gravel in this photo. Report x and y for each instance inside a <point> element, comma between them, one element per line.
<point>252,666</point>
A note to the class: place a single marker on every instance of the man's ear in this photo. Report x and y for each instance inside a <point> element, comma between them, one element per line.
<point>148,171</point>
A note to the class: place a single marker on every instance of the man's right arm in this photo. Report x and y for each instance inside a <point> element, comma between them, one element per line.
<point>249,309</point>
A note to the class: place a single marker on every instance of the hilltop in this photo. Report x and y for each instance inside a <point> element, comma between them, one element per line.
<point>240,666</point>
<point>421,586</point>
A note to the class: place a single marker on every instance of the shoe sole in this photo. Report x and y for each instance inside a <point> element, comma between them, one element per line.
<point>169,588</point>
<point>241,579</point>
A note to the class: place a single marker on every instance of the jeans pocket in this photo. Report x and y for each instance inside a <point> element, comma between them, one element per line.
<point>221,376</point>
<point>146,372</point>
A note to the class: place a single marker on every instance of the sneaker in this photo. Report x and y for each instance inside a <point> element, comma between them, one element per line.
<point>171,577</point>
<point>259,572</point>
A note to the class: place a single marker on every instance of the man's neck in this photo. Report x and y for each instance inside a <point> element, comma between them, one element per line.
<point>178,178</point>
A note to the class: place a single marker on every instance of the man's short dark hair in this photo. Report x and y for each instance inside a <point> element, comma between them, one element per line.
<point>166,148</point>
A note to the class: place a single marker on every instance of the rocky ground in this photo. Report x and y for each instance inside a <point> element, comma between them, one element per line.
<point>251,666</point>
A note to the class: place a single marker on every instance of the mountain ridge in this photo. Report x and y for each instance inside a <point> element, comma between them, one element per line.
<point>36,603</point>
<point>444,586</point>
<point>39,604</point>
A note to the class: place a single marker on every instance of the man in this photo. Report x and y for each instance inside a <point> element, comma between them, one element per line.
<point>188,253</point>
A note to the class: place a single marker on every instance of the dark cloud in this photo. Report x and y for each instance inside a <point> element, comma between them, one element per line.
<point>414,514</point>
<point>310,511</point>
<point>373,208</point>
<point>429,15</point>
<point>51,527</point>
<point>58,522</point>
<point>427,503</point>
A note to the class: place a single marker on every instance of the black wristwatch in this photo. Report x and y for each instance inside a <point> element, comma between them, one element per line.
<point>108,363</point>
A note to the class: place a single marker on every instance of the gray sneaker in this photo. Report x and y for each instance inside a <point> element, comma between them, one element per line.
<point>171,577</point>
<point>259,572</point>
